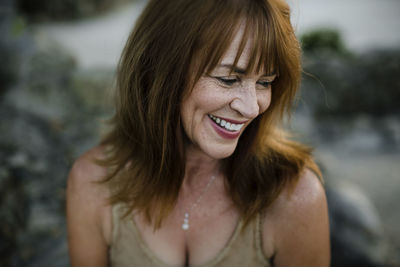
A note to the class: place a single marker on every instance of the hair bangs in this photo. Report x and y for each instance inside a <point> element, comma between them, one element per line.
<point>265,43</point>
<point>218,35</point>
<point>262,53</point>
<point>214,39</point>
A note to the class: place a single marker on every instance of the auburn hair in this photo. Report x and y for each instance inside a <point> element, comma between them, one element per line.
<point>145,148</point>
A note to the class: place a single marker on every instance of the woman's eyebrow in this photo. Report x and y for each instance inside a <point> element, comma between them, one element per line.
<point>239,70</point>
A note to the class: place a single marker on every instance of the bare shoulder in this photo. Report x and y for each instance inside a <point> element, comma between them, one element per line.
<point>300,224</point>
<point>304,196</point>
<point>84,180</point>
<point>84,184</point>
<point>88,211</point>
<point>85,169</point>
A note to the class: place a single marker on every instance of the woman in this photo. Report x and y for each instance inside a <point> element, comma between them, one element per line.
<point>195,171</point>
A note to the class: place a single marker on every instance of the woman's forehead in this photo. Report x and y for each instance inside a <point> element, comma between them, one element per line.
<point>231,53</point>
<point>236,59</point>
<point>242,63</point>
<point>248,45</point>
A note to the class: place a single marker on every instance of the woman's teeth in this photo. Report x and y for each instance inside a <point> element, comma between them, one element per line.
<point>227,125</point>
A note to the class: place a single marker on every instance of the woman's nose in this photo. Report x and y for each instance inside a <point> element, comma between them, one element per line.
<point>245,101</point>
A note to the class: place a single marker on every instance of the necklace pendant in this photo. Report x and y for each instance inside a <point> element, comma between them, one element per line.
<point>185,225</point>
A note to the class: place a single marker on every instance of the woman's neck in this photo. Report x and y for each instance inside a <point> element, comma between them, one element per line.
<point>199,169</point>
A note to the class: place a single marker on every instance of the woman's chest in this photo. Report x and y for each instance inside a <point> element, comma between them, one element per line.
<point>210,241</point>
<point>209,232</point>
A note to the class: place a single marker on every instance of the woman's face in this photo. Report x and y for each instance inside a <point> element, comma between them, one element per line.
<point>222,104</point>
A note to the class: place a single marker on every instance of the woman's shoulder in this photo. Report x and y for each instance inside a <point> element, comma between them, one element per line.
<point>86,176</point>
<point>87,195</point>
<point>299,222</point>
<point>86,169</point>
<point>303,194</point>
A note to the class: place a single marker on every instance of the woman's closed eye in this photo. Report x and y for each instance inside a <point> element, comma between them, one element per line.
<point>232,80</point>
<point>265,83</point>
<point>229,81</point>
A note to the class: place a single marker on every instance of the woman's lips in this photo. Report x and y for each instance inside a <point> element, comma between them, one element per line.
<point>224,133</point>
<point>233,121</point>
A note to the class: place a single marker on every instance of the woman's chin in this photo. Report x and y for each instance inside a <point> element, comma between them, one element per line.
<point>221,152</point>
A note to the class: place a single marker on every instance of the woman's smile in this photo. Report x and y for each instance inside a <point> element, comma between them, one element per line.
<point>225,128</point>
<point>230,125</point>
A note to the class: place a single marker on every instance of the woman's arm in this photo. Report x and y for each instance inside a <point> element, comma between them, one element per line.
<point>300,225</point>
<point>88,214</point>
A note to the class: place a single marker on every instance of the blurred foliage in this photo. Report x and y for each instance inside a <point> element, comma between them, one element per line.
<point>12,48</point>
<point>18,26</point>
<point>343,84</point>
<point>324,40</point>
<point>42,10</point>
<point>366,84</point>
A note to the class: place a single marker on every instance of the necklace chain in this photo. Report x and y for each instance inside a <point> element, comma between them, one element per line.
<point>185,225</point>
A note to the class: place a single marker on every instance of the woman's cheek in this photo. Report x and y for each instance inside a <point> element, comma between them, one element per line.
<point>264,100</point>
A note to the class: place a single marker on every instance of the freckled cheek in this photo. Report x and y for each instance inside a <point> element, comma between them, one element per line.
<point>264,101</point>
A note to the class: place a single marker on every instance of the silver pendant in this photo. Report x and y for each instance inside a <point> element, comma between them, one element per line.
<point>185,225</point>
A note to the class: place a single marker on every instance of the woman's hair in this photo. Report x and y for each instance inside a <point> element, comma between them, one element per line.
<point>145,149</point>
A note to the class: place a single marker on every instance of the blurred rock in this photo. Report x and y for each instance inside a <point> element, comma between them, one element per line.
<point>53,89</point>
<point>47,119</point>
<point>36,160</point>
<point>357,236</point>
<point>13,209</point>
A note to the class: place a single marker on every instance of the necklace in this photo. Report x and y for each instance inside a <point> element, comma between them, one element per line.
<point>185,225</point>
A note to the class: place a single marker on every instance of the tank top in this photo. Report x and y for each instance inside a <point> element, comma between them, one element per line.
<point>128,249</point>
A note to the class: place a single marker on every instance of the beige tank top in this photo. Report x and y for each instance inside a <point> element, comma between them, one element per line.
<point>128,249</point>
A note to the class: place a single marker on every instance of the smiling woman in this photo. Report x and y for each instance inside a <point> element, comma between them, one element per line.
<point>225,101</point>
<point>195,170</point>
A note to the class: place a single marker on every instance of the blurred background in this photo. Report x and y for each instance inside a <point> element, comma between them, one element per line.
<point>58,60</point>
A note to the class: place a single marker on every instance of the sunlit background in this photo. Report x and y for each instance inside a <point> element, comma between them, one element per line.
<point>58,60</point>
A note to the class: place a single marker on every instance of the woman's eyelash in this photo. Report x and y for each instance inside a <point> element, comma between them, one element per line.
<point>231,81</point>
<point>227,81</point>
<point>265,83</point>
